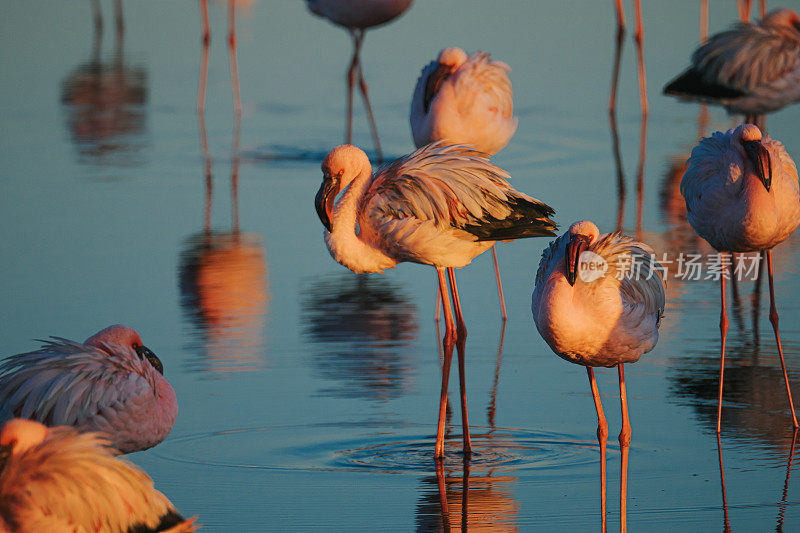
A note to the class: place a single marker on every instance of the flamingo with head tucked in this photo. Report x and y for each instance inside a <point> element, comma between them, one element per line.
<point>742,195</point>
<point>603,316</point>
<point>356,16</point>
<point>111,383</point>
<point>440,206</point>
<point>750,69</point>
<point>465,99</point>
<point>59,479</point>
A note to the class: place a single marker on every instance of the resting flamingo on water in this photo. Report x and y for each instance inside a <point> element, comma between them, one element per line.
<point>439,206</point>
<point>59,479</point>
<point>742,195</point>
<point>111,383</point>
<point>750,69</point>
<point>606,316</point>
<point>469,100</point>
<point>356,16</point>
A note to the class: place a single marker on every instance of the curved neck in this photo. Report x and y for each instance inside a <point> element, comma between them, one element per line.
<point>345,213</point>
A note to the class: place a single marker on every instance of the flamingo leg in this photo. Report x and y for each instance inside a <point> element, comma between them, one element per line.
<point>726,524</point>
<point>438,304</point>
<point>638,36</point>
<point>745,6</point>
<point>351,80</point>
<point>492,409</point>
<point>602,436</point>
<point>448,343</point>
<point>620,15</point>
<point>499,283</point>
<point>362,85</point>
<point>624,443</point>
<point>723,330</point>
<point>762,8</point>
<point>612,99</point>
<point>703,22</point>
<point>237,97</point>
<point>773,318</point>
<point>118,17</point>
<point>461,341</point>
<point>98,16</point>
<point>201,90</point>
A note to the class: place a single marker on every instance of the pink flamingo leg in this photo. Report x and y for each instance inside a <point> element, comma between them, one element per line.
<point>639,38</point>
<point>723,330</point>
<point>362,85</point>
<point>201,91</point>
<point>612,99</point>
<point>499,283</point>
<point>624,443</point>
<point>745,6</point>
<point>602,436</point>
<point>461,340</point>
<point>448,343</point>
<point>118,17</point>
<point>773,318</point>
<point>351,80</point>
<point>703,22</point>
<point>237,97</point>
<point>438,305</point>
<point>98,16</point>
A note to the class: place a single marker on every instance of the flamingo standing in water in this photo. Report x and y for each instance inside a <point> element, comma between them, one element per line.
<point>750,69</point>
<point>59,479</point>
<point>356,16</point>
<point>111,383</point>
<point>603,317</point>
<point>742,195</point>
<point>439,206</point>
<point>465,99</point>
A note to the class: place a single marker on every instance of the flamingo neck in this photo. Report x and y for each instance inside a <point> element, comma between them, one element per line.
<point>345,242</point>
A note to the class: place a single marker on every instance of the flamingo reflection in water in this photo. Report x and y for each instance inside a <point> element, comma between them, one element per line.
<point>363,326</point>
<point>441,206</point>
<point>111,382</point>
<point>468,100</point>
<point>104,103</point>
<point>356,16</point>
<point>59,479</point>
<point>605,316</point>
<point>742,195</point>
<point>223,280</point>
<point>750,69</point>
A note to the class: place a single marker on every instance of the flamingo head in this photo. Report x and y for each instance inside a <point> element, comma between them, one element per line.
<point>581,236</point>
<point>448,61</point>
<point>782,17</point>
<point>19,435</point>
<point>125,336</point>
<point>339,168</point>
<point>750,138</point>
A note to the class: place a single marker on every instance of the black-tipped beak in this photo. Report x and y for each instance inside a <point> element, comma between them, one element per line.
<point>145,353</point>
<point>435,80</point>
<point>577,244</point>
<point>324,201</point>
<point>759,156</point>
<point>5,453</point>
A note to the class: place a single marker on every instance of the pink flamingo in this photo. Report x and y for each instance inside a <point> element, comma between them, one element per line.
<point>750,69</point>
<point>59,479</point>
<point>608,316</point>
<point>742,195</point>
<point>356,16</point>
<point>110,383</point>
<point>439,206</point>
<point>469,100</point>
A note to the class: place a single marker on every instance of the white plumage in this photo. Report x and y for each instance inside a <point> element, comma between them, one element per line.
<point>751,68</point>
<point>110,383</point>
<point>464,99</point>
<point>441,206</point>
<point>58,480</point>
<point>742,195</point>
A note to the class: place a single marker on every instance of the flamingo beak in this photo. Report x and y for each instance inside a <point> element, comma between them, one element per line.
<point>759,156</point>
<point>5,453</point>
<point>435,80</point>
<point>577,244</point>
<point>145,353</point>
<point>324,200</point>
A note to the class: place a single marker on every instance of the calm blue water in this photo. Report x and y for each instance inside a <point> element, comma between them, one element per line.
<point>308,395</point>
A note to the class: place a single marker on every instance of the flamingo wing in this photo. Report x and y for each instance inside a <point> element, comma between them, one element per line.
<point>67,383</point>
<point>454,187</point>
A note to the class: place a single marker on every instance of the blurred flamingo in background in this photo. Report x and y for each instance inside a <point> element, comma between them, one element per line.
<point>356,16</point>
<point>466,100</point>
<point>741,194</point>
<point>750,69</point>
<point>111,383</point>
<point>602,317</point>
<point>439,206</point>
<point>59,479</point>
